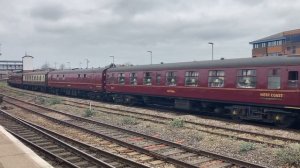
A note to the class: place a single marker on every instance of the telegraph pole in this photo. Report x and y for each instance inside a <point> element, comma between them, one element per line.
<point>87,63</point>
<point>113,58</point>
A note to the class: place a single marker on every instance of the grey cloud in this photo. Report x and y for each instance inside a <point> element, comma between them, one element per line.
<point>52,12</point>
<point>175,30</point>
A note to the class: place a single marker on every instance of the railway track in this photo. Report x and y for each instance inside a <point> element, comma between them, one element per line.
<point>249,136</point>
<point>61,153</point>
<point>179,155</point>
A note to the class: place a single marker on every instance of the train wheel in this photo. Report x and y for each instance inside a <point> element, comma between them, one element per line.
<point>235,115</point>
<point>284,121</point>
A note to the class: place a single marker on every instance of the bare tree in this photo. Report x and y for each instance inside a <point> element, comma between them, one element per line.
<point>45,66</point>
<point>62,66</point>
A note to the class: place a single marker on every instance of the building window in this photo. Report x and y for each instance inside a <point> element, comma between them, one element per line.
<point>191,78</point>
<point>84,75</point>
<point>293,79</point>
<point>158,79</point>
<point>294,50</point>
<point>63,77</point>
<point>274,79</point>
<point>171,78</point>
<point>121,78</point>
<point>246,78</point>
<point>216,78</point>
<point>133,79</point>
<point>263,45</point>
<point>255,46</point>
<point>147,78</point>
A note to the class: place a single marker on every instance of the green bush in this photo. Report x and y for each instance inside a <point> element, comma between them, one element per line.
<point>177,122</point>
<point>40,100</point>
<point>129,121</point>
<point>20,94</point>
<point>289,155</point>
<point>3,84</point>
<point>89,113</point>
<point>54,100</point>
<point>246,146</point>
<point>198,137</point>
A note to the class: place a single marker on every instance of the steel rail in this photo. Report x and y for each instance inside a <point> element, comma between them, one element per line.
<point>180,163</point>
<point>275,137</point>
<point>67,147</point>
<point>89,147</point>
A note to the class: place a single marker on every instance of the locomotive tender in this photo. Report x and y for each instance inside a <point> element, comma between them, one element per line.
<point>263,89</point>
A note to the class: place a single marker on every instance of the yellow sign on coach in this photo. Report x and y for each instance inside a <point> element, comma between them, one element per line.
<point>272,95</point>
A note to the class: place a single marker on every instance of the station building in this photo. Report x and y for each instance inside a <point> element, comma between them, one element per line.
<point>9,66</point>
<point>280,44</point>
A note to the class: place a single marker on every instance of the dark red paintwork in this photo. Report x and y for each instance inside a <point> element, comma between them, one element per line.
<point>288,97</point>
<point>15,79</point>
<point>80,79</point>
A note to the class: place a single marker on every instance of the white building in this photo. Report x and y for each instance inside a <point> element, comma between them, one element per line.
<point>27,63</point>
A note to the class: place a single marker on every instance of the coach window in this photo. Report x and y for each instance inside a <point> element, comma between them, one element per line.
<point>216,78</point>
<point>133,79</point>
<point>121,78</point>
<point>191,78</point>
<point>246,78</point>
<point>274,79</point>
<point>147,78</point>
<point>293,79</point>
<point>171,78</point>
<point>158,79</point>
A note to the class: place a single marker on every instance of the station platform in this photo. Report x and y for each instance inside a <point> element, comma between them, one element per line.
<point>14,154</point>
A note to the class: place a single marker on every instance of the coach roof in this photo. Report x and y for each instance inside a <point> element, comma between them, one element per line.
<point>227,63</point>
<point>36,73</point>
<point>77,71</point>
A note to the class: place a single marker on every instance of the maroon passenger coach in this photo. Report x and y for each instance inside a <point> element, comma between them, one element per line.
<point>15,79</point>
<point>265,89</point>
<point>79,82</point>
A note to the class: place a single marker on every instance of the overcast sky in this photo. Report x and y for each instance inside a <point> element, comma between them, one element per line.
<point>174,30</point>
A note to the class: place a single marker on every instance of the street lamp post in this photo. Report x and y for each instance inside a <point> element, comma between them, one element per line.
<point>212,50</point>
<point>150,56</point>
<point>113,57</point>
